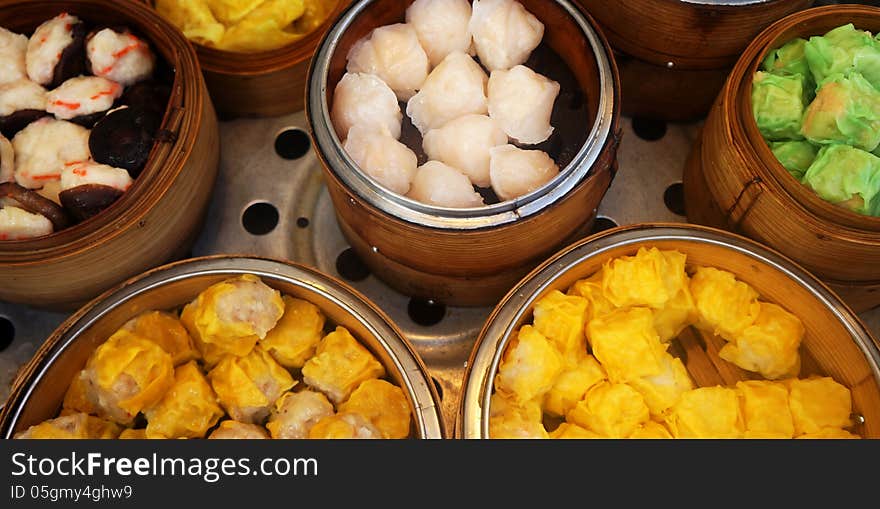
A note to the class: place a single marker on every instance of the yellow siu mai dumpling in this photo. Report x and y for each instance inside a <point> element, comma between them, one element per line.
<point>127,374</point>
<point>591,289</point>
<point>706,412</point>
<point>651,430</point>
<point>626,344</point>
<point>512,419</point>
<point>678,312</point>
<point>263,28</point>
<point>133,434</point>
<point>231,316</point>
<point>234,430</point>
<point>384,404</point>
<point>194,18</point>
<point>650,278</point>
<point>610,409</point>
<point>830,433</point>
<point>165,330</point>
<point>662,391</point>
<point>769,346</point>
<point>295,413</point>
<point>567,431</point>
<point>340,365</point>
<point>189,408</point>
<point>74,426</point>
<point>561,319</point>
<point>572,385</point>
<point>530,366</point>
<point>295,337</point>
<point>248,386</point>
<point>817,403</point>
<point>765,409</point>
<point>344,425</point>
<point>77,398</point>
<point>725,306</point>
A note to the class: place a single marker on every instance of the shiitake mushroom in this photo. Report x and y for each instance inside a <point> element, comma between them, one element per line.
<point>88,200</point>
<point>73,58</point>
<point>11,124</point>
<point>123,139</point>
<point>32,202</point>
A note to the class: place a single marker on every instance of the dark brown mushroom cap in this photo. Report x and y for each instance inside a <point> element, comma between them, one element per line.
<point>86,200</point>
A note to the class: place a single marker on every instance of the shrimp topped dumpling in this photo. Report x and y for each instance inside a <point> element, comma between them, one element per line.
<point>392,53</point>
<point>13,48</point>
<point>45,148</point>
<point>295,413</point>
<point>55,50</point>
<point>119,56</point>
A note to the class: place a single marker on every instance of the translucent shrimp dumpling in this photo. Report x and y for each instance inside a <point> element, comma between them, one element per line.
<point>454,88</point>
<point>442,26</point>
<point>361,98</point>
<point>464,143</point>
<point>444,186</point>
<point>521,101</point>
<point>392,53</point>
<point>504,32</point>
<point>388,161</point>
<point>514,172</point>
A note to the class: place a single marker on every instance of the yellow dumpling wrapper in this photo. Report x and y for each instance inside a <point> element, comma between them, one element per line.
<point>340,365</point>
<point>230,12</point>
<point>133,434</point>
<point>530,365</point>
<point>384,404</point>
<point>567,431</point>
<point>651,430</point>
<point>248,386</point>
<point>194,18</point>
<point>706,412</point>
<point>230,429</point>
<point>264,27</point>
<point>189,408</point>
<point>830,433</point>
<point>663,390</point>
<point>316,13</point>
<point>295,337</point>
<point>561,319</point>
<point>511,419</point>
<point>165,330</point>
<point>765,409</point>
<point>817,403</point>
<point>129,374</point>
<point>572,385</point>
<point>231,316</point>
<point>626,344</point>
<point>75,426</point>
<point>612,410</point>
<point>725,306</point>
<point>76,399</point>
<point>591,289</point>
<point>678,312</point>
<point>344,425</point>
<point>770,345</point>
<point>650,278</point>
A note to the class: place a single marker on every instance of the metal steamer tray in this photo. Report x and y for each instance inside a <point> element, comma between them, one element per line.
<point>270,200</point>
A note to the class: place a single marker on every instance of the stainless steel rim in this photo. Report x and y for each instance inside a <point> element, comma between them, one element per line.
<point>442,217</point>
<point>405,361</point>
<point>493,339</point>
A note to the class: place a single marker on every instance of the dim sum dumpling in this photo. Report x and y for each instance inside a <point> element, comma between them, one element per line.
<point>295,414</point>
<point>17,223</point>
<point>361,98</point>
<point>504,32</point>
<point>248,386</point>
<point>464,143</point>
<point>340,365</point>
<point>234,430</point>
<point>442,26</point>
<point>45,147</point>
<point>530,366</point>
<point>296,335</point>
<point>454,88</point>
<point>521,101</point>
<point>392,53</point>
<point>345,425</point>
<point>13,48</point>
<point>189,408</point>
<point>74,426</point>
<point>384,404</point>
<point>511,419</point>
<point>388,161</point>
<point>515,172</point>
<point>444,186</point>
<point>612,410</point>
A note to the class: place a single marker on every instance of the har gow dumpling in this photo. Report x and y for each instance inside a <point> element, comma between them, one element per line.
<point>455,88</point>
<point>442,26</point>
<point>444,186</point>
<point>504,33</point>
<point>464,143</point>
<point>392,53</point>
<point>388,161</point>
<point>521,101</point>
<point>362,98</point>
<point>515,172</point>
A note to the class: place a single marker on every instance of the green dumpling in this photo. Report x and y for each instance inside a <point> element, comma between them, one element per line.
<point>842,50</point>
<point>795,156</point>
<point>848,177</point>
<point>846,110</point>
<point>790,59</point>
<point>778,105</point>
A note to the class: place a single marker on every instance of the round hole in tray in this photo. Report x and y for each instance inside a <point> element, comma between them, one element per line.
<point>673,197</point>
<point>302,222</point>
<point>350,266</point>
<point>649,129</point>
<point>7,333</point>
<point>602,223</point>
<point>425,312</point>
<point>292,143</point>
<point>260,218</point>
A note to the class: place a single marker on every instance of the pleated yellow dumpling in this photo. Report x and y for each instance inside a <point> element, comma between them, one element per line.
<point>77,399</point>
<point>770,345</point>
<point>345,425</point>
<point>231,316</point>
<point>650,278</point>
<point>678,312</point>
<point>194,18</point>
<point>568,431</point>
<point>295,413</point>
<point>295,337</point>
<point>706,412</point>
<point>609,409</point>
<point>651,430</point>
<point>263,27</point>
<point>73,426</point>
<point>165,330</point>
<point>248,386</point>
<point>561,319</point>
<point>189,408</point>
<point>384,404</point>
<point>529,367</point>
<point>572,385</point>
<point>765,409</point>
<point>626,344</point>
<point>340,365</point>
<point>234,430</point>
<point>591,289</point>
<point>512,419</point>
<point>662,391</point>
<point>725,306</point>
<point>817,403</point>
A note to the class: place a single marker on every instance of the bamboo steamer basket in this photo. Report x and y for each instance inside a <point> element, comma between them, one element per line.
<point>38,391</point>
<point>263,83</point>
<point>159,217</point>
<point>675,54</point>
<point>468,257</point>
<point>733,181</point>
<point>836,343</point>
